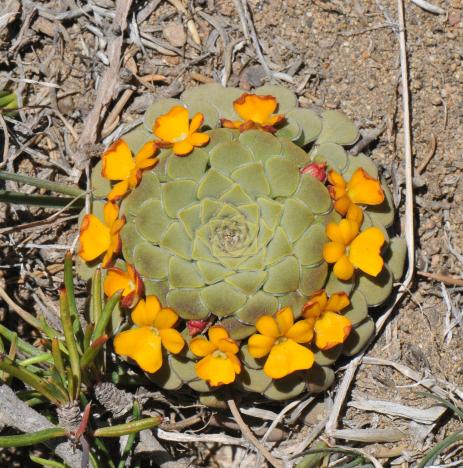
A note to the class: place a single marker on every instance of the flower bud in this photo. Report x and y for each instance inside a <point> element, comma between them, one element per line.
<point>315,170</point>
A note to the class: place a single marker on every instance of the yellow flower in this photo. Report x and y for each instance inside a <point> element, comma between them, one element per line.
<point>129,282</point>
<point>279,337</point>
<point>174,129</point>
<point>154,331</point>
<point>256,112</point>
<point>97,238</point>
<point>348,249</point>
<point>118,164</point>
<point>361,189</point>
<point>331,328</point>
<point>219,364</point>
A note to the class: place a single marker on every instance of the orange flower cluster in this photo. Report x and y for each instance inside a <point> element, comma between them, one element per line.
<point>348,247</point>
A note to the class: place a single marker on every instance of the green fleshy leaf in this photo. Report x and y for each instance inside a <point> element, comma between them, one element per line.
<point>138,137</point>
<point>257,305</point>
<point>359,337</point>
<point>289,129</point>
<point>337,128</point>
<point>151,261</point>
<point>221,299</point>
<point>190,167</point>
<point>158,108</point>
<point>253,380</point>
<point>293,153</point>
<point>283,176</point>
<point>309,122</point>
<point>184,274</point>
<point>363,162</point>
<point>149,188</point>
<point>190,218</point>
<point>177,241</point>
<point>226,157</point>
<point>314,194</point>
<point>151,221</point>
<point>213,185</point>
<point>251,177</point>
<point>178,194</point>
<point>187,303</point>
<point>210,114</point>
<point>332,154</point>
<point>357,311</point>
<point>100,185</point>
<point>263,145</point>
<point>247,281</point>
<point>166,378</point>
<point>309,248</point>
<point>313,278</point>
<point>288,387</point>
<point>395,256</point>
<point>130,238</point>
<point>278,248</point>
<point>375,289</point>
<point>270,211</point>
<point>286,99</point>
<point>212,272</point>
<point>296,218</point>
<point>319,378</point>
<point>237,329</point>
<point>283,277</point>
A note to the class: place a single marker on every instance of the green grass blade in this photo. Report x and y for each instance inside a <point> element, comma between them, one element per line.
<point>444,402</point>
<point>70,342</point>
<point>58,360</point>
<point>23,346</point>
<point>131,438</point>
<point>42,183</point>
<point>44,462</point>
<point>69,285</point>
<point>103,321</point>
<point>45,201</point>
<point>32,438</point>
<point>120,430</point>
<point>45,357</point>
<point>440,447</point>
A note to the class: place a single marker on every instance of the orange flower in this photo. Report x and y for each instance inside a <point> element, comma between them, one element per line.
<point>154,331</point>
<point>128,281</point>
<point>174,129</point>
<point>97,238</point>
<point>361,189</point>
<point>219,364</point>
<point>331,328</point>
<point>349,249</point>
<point>118,164</point>
<point>280,338</point>
<point>256,112</point>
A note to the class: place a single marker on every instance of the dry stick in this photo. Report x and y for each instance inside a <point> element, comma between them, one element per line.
<point>251,437</point>
<point>427,159</point>
<point>6,137</point>
<point>331,425</point>
<point>26,316</point>
<point>110,79</point>
<point>442,278</point>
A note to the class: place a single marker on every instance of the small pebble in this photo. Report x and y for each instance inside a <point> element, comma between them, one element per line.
<point>436,99</point>
<point>175,34</point>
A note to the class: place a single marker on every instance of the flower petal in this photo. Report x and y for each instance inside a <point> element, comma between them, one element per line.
<point>173,126</point>
<point>255,108</point>
<point>182,148</point>
<point>110,213</point>
<point>285,320</point>
<point>365,251</point>
<point>228,346</point>
<point>336,179</point>
<point>268,326</point>
<point>260,345</point>
<point>355,213</point>
<point>301,331</point>
<point>230,123</point>
<point>364,189</point>
<point>118,190</point>
<point>147,151</point>
<point>201,346</point>
<point>342,205</point>
<point>116,280</point>
<point>172,340</point>
<point>196,122</point>
<point>166,318</point>
<point>117,161</point>
<point>333,251</point>
<point>349,229</point>
<point>142,345</point>
<point>331,329</point>
<point>343,269</point>
<point>198,139</point>
<point>286,358</point>
<point>216,370</point>
<point>334,233</point>
<point>337,302</point>
<point>217,333</point>
<point>146,311</point>
<point>236,363</point>
<point>94,239</point>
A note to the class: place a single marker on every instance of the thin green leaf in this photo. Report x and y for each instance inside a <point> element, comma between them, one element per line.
<point>58,360</point>
<point>131,438</point>
<point>42,183</point>
<point>53,392</point>
<point>32,438</point>
<point>120,430</point>
<point>313,460</point>
<point>69,285</point>
<point>88,335</point>
<point>45,462</point>
<point>108,309</point>
<point>23,346</point>
<point>70,342</point>
<point>440,447</point>
<point>96,307</point>
<point>36,360</point>
<point>92,351</point>
<point>45,201</point>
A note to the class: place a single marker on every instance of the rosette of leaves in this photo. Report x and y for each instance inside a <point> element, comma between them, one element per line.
<point>235,230</point>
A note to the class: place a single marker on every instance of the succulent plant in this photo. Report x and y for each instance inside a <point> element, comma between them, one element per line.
<point>236,230</point>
